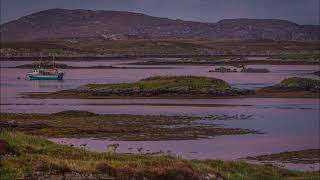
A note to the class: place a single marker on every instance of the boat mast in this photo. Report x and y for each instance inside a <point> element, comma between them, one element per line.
<point>53,61</point>
<point>40,60</point>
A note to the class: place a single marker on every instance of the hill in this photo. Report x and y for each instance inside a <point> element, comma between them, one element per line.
<point>116,25</point>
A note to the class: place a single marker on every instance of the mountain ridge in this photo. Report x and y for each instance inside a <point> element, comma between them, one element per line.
<point>117,25</point>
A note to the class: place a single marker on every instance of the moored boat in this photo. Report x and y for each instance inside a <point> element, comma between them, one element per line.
<point>41,74</point>
<point>45,74</point>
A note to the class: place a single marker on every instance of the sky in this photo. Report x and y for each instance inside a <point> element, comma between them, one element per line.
<point>298,11</point>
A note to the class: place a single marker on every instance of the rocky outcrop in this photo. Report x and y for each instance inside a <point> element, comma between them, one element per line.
<point>317,73</point>
<point>294,87</point>
<point>116,25</point>
<point>173,92</point>
<point>255,70</point>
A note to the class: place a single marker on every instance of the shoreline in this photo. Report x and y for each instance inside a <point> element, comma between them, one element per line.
<point>121,127</point>
<point>145,61</point>
<point>98,67</point>
<point>17,58</point>
<point>56,95</point>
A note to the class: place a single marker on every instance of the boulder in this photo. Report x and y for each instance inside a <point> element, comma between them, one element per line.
<point>4,147</point>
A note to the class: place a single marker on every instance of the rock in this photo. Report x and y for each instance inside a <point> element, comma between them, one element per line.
<point>255,70</point>
<point>300,83</point>
<point>211,176</point>
<point>8,124</point>
<point>317,73</point>
<point>4,147</point>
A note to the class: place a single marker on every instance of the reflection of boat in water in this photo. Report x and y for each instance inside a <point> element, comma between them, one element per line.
<point>42,74</point>
<point>45,74</point>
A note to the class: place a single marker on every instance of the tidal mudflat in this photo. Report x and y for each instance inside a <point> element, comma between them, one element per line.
<point>121,127</point>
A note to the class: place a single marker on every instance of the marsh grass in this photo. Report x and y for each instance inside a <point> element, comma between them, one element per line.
<point>35,154</point>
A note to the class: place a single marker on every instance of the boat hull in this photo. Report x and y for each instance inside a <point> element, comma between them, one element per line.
<point>45,77</point>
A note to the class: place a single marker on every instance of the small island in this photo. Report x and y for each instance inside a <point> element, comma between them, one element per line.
<point>158,87</point>
<point>186,87</point>
<point>292,87</point>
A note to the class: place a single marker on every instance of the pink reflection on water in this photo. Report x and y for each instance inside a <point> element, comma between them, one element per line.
<point>222,148</point>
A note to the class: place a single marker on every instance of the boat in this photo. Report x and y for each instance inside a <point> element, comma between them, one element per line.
<point>45,73</point>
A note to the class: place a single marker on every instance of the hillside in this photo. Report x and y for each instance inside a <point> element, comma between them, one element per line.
<point>116,25</point>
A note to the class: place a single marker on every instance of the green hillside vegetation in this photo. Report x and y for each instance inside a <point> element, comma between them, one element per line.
<point>97,46</point>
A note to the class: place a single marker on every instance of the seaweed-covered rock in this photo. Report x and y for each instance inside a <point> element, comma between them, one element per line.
<point>255,70</point>
<point>300,83</point>
<point>317,73</point>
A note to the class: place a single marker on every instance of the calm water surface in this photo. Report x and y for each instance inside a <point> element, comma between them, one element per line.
<point>287,124</point>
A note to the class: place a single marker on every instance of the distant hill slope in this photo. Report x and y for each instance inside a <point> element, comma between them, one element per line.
<point>61,23</point>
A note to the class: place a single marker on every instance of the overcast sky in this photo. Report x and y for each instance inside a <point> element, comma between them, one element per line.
<point>299,11</point>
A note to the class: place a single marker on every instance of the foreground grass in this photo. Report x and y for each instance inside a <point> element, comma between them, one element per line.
<point>119,127</point>
<point>304,156</point>
<point>32,156</point>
